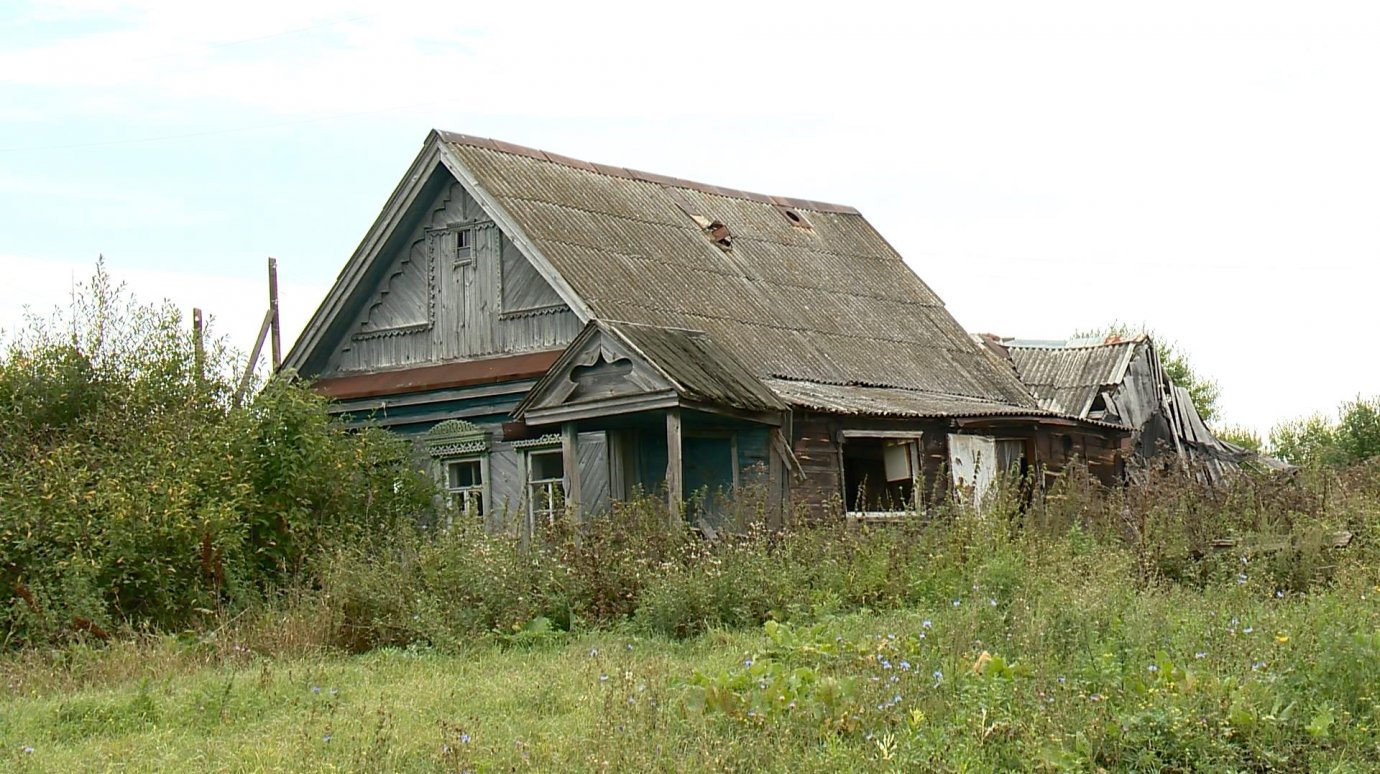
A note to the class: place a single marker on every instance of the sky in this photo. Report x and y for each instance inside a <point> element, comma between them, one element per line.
<point>1208,169</point>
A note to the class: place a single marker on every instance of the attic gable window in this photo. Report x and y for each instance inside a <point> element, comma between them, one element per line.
<point>464,245</point>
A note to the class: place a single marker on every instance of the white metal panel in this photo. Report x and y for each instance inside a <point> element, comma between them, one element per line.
<point>973,464</point>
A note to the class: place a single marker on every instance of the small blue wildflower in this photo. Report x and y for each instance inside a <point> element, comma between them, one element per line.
<point>957,602</point>
<point>1279,593</point>
<point>992,601</point>
<point>1240,579</point>
<point>1248,630</point>
<point>593,652</point>
<point>1200,654</point>
<point>334,692</point>
<point>891,636</point>
<point>904,665</point>
<point>464,739</point>
<point>893,679</point>
<point>603,678</point>
<point>326,738</point>
<point>747,662</point>
<point>28,750</point>
<point>886,664</point>
<point>1257,665</point>
<point>316,689</point>
<point>927,623</point>
<point>938,677</point>
<point>1152,668</point>
<point>896,699</point>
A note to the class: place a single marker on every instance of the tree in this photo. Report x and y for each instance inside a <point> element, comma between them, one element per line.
<point>1244,437</point>
<point>1204,391</point>
<point>1354,436</point>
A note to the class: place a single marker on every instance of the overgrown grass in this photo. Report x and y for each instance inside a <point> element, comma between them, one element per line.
<point>1090,631</point>
<point>1051,658</point>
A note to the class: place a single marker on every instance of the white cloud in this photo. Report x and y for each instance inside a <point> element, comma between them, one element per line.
<point>1206,168</point>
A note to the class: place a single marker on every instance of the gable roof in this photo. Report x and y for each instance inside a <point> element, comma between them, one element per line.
<point>700,368</point>
<point>803,291</point>
<point>1066,376</point>
<point>687,366</point>
<point>828,300</point>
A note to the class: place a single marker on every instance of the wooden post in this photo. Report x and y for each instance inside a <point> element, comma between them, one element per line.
<point>277,329</point>
<point>570,459</point>
<point>198,346</point>
<point>675,481</point>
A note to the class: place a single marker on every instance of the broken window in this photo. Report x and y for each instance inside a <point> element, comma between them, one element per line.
<point>464,245</point>
<point>465,486</point>
<point>545,486</point>
<point>879,474</point>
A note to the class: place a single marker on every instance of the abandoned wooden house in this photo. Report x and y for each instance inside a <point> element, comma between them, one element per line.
<point>1123,381</point>
<point>558,335</point>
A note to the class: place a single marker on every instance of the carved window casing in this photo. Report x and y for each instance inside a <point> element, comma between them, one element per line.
<point>460,453</point>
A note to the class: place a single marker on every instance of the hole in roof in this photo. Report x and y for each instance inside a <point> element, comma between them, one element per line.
<point>795,218</point>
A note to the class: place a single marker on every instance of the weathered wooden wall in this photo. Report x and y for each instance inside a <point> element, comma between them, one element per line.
<point>817,450</point>
<point>432,306</point>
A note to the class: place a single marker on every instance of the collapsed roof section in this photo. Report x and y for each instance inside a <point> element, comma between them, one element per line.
<point>1122,381</point>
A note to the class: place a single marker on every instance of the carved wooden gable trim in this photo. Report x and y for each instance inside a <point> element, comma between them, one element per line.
<point>600,368</point>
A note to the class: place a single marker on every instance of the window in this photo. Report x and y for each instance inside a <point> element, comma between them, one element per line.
<point>460,451</point>
<point>545,486</point>
<point>879,473</point>
<point>464,245</point>
<point>465,486</point>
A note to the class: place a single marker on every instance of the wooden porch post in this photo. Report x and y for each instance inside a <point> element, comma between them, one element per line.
<point>570,460</point>
<point>675,492</point>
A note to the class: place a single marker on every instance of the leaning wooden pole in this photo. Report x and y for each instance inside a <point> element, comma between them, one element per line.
<point>277,328</point>
<point>254,356</point>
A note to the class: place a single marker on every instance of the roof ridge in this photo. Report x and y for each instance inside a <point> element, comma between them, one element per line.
<point>1054,347</point>
<point>500,146</point>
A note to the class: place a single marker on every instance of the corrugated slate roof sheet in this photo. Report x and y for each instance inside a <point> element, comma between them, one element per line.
<point>828,301</point>
<point>1065,379</point>
<point>700,368</point>
<point>890,401</point>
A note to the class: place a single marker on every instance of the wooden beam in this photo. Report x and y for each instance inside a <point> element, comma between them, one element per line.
<point>254,357</point>
<point>570,459</point>
<point>276,327</point>
<point>675,481</point>
<point>438,377</point>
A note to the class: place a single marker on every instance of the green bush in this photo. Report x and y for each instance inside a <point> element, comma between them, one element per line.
<point>138,492</point>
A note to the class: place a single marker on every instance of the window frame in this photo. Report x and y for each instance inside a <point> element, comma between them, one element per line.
<point>548,488</point>
<point>913,442</point>
<point>462,249</point>
<point>454,442</point>
<point>478,490</point>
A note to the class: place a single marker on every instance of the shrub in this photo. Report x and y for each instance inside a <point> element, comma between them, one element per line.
<point>138,492</point>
